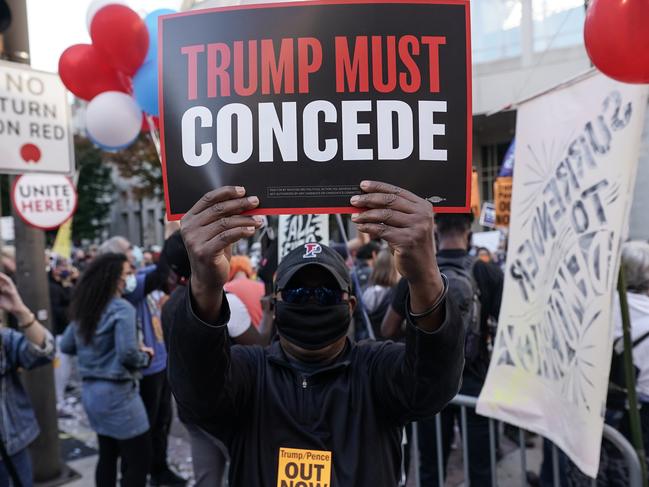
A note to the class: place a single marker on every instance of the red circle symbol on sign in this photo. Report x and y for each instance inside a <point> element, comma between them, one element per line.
<point>44,201</point>
<point>30,153</point>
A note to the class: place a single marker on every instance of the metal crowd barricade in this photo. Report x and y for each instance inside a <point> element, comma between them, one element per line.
<point>464,402</point>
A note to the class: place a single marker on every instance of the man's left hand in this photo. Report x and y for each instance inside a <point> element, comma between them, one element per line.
<point>405,221</point>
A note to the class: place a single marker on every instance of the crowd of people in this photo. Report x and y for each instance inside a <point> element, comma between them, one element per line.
<point>278,355</point>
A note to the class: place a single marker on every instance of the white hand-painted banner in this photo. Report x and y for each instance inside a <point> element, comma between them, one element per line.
<point>576,157</point>
<point>296,230</point>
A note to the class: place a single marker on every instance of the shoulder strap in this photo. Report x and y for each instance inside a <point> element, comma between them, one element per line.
<point>640,339</point>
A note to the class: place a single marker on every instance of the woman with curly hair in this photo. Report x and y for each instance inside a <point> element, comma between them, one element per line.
<point>103,334</point>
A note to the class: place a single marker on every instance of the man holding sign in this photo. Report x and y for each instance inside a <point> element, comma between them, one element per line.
<point>313,408</point>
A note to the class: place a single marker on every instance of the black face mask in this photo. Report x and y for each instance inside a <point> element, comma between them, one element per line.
<point>312,326</point>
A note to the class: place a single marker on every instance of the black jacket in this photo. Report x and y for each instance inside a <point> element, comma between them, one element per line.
<point>60,297</point>
<point>256,402</point>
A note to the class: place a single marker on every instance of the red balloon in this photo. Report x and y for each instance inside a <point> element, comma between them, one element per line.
<point>617,38</point>
<point>85,73</point>
<point>121,35</point>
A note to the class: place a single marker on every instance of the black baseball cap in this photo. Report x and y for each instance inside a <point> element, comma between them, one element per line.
<point>313,254</point>
<point>176,254</point>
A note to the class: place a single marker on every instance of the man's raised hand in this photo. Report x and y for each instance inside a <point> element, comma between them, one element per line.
<point>208,229</point>
<point>405,222</point>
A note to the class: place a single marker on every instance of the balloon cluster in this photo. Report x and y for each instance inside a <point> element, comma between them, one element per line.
<point>117,73</point>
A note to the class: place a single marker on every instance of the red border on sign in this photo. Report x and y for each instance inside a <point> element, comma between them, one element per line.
<point>27,222</point>
<point>321,210</point>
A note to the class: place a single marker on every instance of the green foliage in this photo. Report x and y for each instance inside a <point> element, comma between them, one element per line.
<point>96,191</point>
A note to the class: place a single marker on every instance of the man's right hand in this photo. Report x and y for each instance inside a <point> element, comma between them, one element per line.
<point>208,229</point>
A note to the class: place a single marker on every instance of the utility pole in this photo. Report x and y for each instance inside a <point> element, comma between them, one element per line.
<point>31,280</point>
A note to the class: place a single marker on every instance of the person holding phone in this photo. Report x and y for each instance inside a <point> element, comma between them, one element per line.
<point>28,347</point>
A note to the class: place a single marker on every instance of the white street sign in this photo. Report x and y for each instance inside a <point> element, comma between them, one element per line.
<point>35,133</point>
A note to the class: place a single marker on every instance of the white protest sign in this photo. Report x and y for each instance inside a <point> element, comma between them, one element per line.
<point>488,240</point>
<point>35,133</point>
<point>576,156</point>
<point>44,200</point>
<point>488,215</point>
<point>296,230</point>
<point>7,230</point>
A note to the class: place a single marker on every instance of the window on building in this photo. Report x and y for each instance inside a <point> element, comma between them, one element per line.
<point>558,23</point>
<point>123,228</point>
<point>495,29</point>
<point>151,237</point>
<point>492,158</point>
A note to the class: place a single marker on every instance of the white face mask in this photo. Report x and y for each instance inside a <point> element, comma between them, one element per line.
<point>130,284</point>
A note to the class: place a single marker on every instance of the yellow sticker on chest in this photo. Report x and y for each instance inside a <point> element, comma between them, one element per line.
<point>304,468</point>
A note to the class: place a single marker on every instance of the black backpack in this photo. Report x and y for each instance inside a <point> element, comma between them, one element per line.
<point>617,390</point>
<point>464,291</point>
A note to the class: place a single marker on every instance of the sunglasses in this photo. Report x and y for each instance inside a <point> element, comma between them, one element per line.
<point>324,296</point>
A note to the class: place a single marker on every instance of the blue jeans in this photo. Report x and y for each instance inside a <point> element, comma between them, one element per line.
<point>23,465</point>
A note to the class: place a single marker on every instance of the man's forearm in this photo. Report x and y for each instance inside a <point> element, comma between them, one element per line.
<point>423,296</point>
<point>198,356</point>
<point>206,300</point>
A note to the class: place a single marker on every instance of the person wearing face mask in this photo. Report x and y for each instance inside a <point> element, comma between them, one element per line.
<point>304,410</point>
<point>154,387</point>
<point>103,336</point>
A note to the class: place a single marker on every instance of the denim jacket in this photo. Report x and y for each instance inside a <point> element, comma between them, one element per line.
<point>18,426</point>
<point>113,353</point>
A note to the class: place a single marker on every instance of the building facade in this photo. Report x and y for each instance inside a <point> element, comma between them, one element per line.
<point>139,220</point>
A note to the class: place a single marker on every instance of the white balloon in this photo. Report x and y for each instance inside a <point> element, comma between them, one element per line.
<point>95,5</point>
<point>113,119</point>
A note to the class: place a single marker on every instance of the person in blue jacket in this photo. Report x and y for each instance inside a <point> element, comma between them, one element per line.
<point>103,335</point>
<point>30,346</point>
<point>154,387</point>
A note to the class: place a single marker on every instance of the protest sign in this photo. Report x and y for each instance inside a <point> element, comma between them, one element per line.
<point>297,468</point>
<point>7,229</point>
<point>488,215</point>
<point>35,134</point>
<point>296,230</point>
<point>489,240</point>
<point>576,156</point>
<point>300,102</point>
<point>44,201</point>
<point>503,200</point>
<point>475,194</point>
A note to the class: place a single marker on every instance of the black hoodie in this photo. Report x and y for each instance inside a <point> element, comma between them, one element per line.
<point>351,412</point>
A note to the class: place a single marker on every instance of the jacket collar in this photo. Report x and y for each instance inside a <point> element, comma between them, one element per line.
<point>276,355</point>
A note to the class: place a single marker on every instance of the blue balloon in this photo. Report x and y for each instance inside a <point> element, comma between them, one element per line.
<point>151,22</point>
<point>145,87</point>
